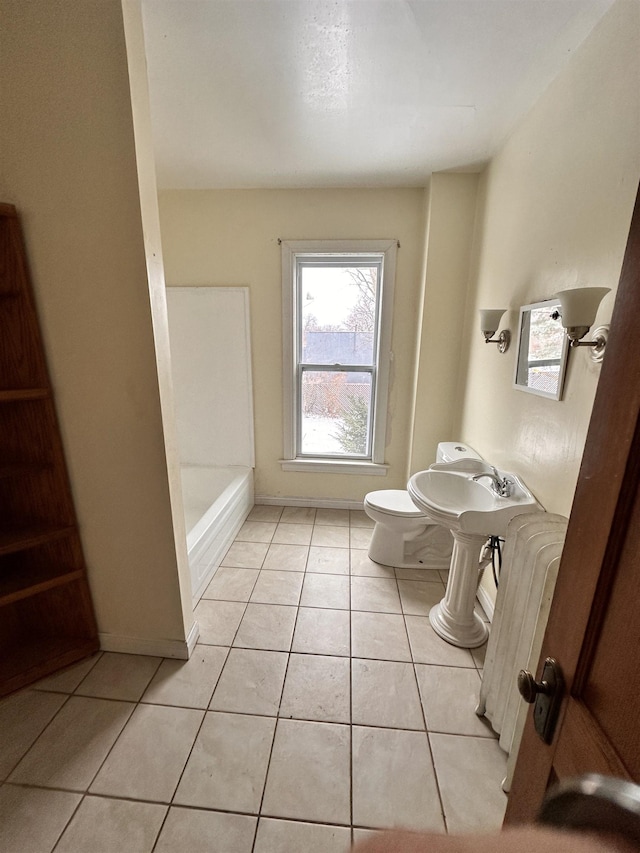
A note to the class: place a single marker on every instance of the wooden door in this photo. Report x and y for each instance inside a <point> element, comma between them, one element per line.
<point>594,623</point>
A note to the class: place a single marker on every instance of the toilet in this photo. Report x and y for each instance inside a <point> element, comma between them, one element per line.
<point>403,536</point>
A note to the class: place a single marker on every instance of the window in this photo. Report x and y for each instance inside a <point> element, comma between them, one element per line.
<point>337,302</point>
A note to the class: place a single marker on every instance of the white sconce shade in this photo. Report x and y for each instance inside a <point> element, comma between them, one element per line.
<point>490,319</point>
<point>578,307</point>
<point>489,323</point>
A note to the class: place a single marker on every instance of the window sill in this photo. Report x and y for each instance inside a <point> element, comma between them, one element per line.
<point>335,466</point>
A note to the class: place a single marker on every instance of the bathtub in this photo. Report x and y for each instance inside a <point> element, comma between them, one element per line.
<point>216,502</point>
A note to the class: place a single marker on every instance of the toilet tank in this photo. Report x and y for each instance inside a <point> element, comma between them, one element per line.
<point>451,451</point>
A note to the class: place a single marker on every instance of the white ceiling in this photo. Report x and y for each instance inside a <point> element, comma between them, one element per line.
<point>308,93</point>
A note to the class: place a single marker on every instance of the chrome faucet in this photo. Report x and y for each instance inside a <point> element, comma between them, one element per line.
<point>501,485</point>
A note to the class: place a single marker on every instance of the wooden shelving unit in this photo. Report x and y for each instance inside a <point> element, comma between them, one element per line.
<point>46,614</point>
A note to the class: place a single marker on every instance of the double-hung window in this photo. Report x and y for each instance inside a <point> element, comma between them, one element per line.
<point>337,303</point>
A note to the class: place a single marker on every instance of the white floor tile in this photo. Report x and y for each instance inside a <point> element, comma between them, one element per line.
<point>266,626</point>
<point>334,517</point>
<point>228,764</point>
<point>359,518</point>
<point>263,706</point>
<point>360,537</point>
<point>196,831</point>
<point>418,597</point>
<point>393,780</point>
<point>117,676</point>
<point>317,688</point>
<point>322,631</point>
<point>428,647</point>
<point>218,621</point>
<point>385,694</point>
<point>68,679</point>
<point>112,826</point>
<point>375,594</point>
<point>363,566</point>
<point>229,584</point>
<point>286,558</point>
<point>187,683</point>
<point>449,696</point>
<point>330,536</point>
<point>70,751</point>
<point>264,512</point>
<point>274,587</point>
<point>245,555</point>
<point>22,717</point>
<point>292,534</point>
<point>256,531</point>
<point>136,767</point>
<point>298,514</point>
<point>332,561</point>
<point>470,771</point>
<point>330,591</point>
<point>288,836</point>
<point>479,655</point>
<point>381,636</point>
<point>309,773</point>
<point>427,575</point>
<point>32,819</point>
<point>251,682</point>
<point>361,835</point>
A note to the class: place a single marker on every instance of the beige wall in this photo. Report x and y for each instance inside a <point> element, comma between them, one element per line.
<point>68,164</point>
<point>557,206</point>
<point>231,238</point>
<point>451,216</point>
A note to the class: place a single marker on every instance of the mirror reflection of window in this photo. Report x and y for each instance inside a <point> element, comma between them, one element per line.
<point>542,351</point>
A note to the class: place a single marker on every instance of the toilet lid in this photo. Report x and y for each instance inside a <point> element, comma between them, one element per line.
<point>394,502</point>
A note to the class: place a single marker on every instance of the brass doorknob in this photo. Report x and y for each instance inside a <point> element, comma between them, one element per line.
<point>529,688</point>
<point>545,696</point>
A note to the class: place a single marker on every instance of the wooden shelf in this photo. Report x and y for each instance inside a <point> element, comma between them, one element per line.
<point>40,579</point>
<point>47,619</point>
<point>22,469</point>
<point>17,395</point>
<point>19,539</point>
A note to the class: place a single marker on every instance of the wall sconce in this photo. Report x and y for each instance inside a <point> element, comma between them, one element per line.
<point>578,308</point>
<point>489,324</point>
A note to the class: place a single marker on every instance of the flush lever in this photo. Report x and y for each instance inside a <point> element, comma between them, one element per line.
<point>545,696</point>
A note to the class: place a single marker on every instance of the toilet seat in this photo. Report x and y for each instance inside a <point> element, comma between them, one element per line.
<point>394,502</point>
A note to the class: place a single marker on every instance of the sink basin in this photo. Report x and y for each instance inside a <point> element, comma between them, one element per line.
<point>454,499</point>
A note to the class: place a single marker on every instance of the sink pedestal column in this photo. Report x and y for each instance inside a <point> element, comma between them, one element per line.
<point>454,618</point>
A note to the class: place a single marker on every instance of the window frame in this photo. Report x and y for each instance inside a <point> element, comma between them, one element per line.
<point>292,250</point>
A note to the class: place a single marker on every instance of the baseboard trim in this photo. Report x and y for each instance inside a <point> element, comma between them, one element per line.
<point>179,649</point>
<point>192,639</point>
<point>322,503</point>
<point>486,602</point>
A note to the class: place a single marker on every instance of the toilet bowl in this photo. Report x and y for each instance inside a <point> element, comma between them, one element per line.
<point>403,536</point>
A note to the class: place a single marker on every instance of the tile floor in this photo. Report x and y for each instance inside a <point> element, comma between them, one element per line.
<point>318,706</point>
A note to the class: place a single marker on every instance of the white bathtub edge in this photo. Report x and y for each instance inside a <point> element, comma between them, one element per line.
<point>224,520</point>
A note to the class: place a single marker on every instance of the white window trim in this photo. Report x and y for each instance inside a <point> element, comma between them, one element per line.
<point>291,248</point>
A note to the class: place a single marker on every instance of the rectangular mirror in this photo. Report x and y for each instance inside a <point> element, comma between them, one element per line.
<point>542,351</point>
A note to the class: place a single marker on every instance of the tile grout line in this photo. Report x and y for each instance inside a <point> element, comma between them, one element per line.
<point>423,710</point>
<point>68,823</point>
<point>184,766</point>
<point>206,710</point>
<point>350,692</point>
<point>277,716</point>
<point>202,722</point>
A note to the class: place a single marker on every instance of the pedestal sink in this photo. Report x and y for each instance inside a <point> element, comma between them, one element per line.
<point>466,501</point>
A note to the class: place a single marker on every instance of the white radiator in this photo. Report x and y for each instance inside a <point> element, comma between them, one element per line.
<point>532,550</point>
